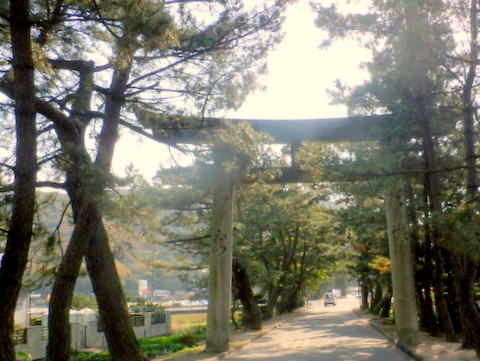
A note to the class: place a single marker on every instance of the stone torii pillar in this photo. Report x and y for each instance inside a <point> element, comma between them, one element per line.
<point>403,284</point>
<point>220,271</point>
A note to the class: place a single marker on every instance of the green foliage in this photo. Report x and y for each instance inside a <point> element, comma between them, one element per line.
<point>80,300</point>
<point>381,264</point>
<point>153,347</point>
<point>172,343</point>
<point>142,306</point>
<point>23,356</point>
<point>89,356</point>
<point>286,238</point>
<point>139,301</point>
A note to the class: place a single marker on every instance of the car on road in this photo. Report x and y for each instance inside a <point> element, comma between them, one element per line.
<point>329,299</point>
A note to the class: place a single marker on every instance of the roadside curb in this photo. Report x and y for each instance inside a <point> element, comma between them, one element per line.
<point>388,336</point>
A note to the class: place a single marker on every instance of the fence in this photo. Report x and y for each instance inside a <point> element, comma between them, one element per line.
<point>89,333</point>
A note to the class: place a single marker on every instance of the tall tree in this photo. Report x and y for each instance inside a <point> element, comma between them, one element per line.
<point>286,237</point>
<point>465,266</point>
<point>251,313</point>
<point>20,228</point>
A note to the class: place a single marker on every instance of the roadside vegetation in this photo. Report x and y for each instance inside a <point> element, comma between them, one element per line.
<point>153,347</point>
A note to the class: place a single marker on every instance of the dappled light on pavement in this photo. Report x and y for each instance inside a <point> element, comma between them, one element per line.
<point>329,333</point>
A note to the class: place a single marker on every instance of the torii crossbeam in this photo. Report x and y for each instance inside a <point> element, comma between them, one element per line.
<point>187,130</point>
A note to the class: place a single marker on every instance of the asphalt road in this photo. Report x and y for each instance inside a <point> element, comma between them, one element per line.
<point>332,333</point>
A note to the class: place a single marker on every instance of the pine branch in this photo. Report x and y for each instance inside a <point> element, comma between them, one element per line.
<point>44,184</point>
<point>141,131</point>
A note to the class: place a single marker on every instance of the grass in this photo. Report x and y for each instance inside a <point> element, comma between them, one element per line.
<point>185,322</point>
<point>163,345</point>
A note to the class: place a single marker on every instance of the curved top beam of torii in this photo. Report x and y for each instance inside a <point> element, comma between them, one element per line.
<point>191,130</point>
<point>187,129</point>
<point>352,129</point>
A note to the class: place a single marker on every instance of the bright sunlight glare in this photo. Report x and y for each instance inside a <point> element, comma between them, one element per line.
<point>296,88</point>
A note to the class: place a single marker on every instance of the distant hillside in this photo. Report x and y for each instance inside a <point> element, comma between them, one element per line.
<point>134,256</point>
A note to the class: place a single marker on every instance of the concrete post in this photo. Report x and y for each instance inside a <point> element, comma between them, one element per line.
<point>220,275</point>
<point>406,319</point>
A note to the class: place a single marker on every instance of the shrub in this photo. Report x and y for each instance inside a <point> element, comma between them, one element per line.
<point>154,346</point>
<point>89,356</point>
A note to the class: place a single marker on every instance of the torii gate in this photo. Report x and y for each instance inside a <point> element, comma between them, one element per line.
<point>293,132</point>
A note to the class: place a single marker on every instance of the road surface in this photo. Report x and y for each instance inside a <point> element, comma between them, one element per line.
<point>332,333</point>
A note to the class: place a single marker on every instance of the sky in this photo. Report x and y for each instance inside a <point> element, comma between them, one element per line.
<point>299,75</point>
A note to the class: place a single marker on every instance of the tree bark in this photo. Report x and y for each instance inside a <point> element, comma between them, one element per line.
<point>121,339</point>
<point>377,298</point>
<point>59,341</point>
<point>272,299</point>
<point>252,316</point>
<point>364,296</point>
<point>423,258</point>
<point>19,236</point>
<point>433,190</point>
<point>465,275</point>
<point>464,266</point>
<point>426,282</point>
<point>469,109</point>
<point>292,298</point>
<point>386,305</point>
<point>440,300</point>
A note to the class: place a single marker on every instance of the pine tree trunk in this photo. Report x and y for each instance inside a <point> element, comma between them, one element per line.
<point>121,339</point>
<point>422,307</point>
<point>434,195</point>
<point>291,298</point>
<point>275,293</point>
<point>426,280</point>
<point>272,300</point>
<point>377,298</point>
<point>364,296</point>
<point>58,347</point>
<point>440,300</point>
<point>85,187</point>
<point>465,272</point>
<point>19,235</point>
<point>423,258</point>
<point>92,241</point>
<point>423,280</point>
<point>83,207</point>
<point>464,267</point>
<point>252,316</point>
<point>386,305</point>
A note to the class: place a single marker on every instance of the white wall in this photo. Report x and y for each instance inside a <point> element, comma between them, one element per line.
<point>21,309</point>
<point>85,335</point>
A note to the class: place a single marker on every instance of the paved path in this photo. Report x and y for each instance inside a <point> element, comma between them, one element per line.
<point>332,333</point>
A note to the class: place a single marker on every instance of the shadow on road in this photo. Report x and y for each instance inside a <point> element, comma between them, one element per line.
<point>326,334</point>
